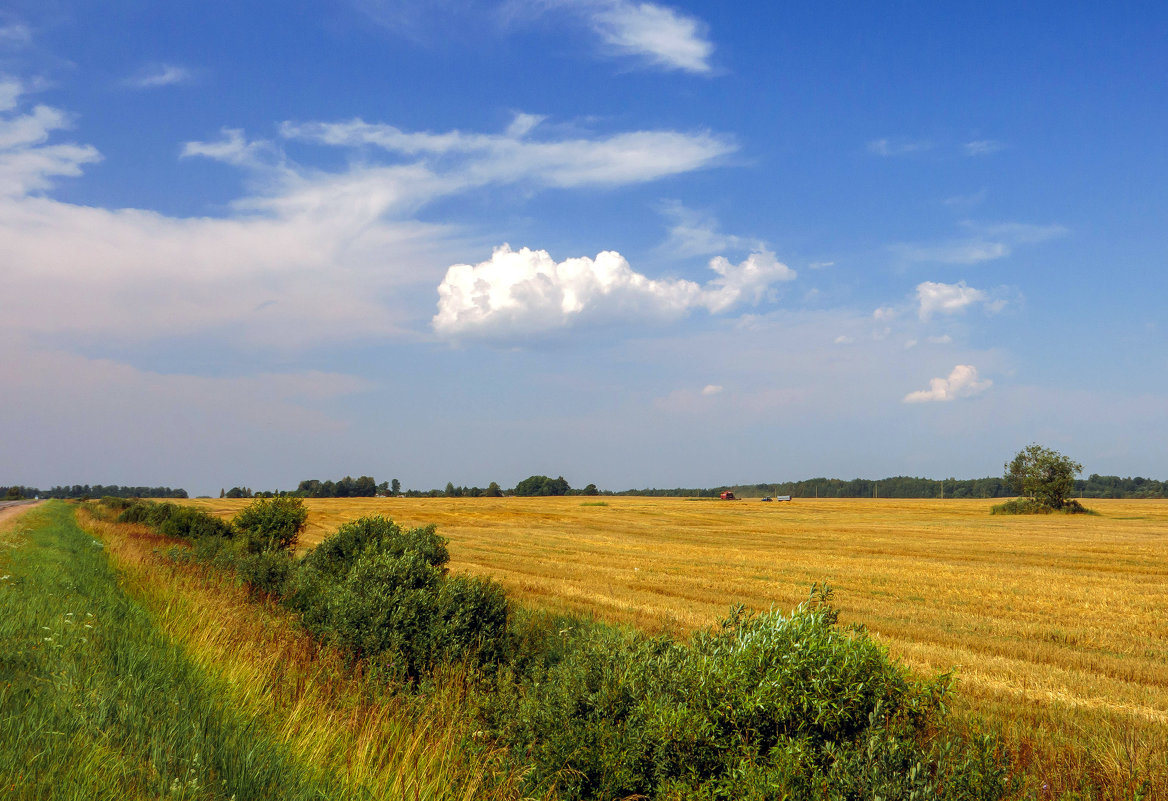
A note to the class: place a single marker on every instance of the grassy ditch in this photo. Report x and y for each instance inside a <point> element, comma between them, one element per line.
<point>764,706</point>
<point>97,703</point>
<point>114,685</point>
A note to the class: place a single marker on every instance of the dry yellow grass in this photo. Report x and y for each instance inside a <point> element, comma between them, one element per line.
<point>1057,626</point>
<point>331,717</point>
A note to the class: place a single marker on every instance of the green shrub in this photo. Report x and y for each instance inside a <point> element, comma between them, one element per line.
<point>382,592</point>
<point>147,513</point>
<point>473,621</point>
<point>266,572</point>
<point>194,524</point>
<point>271,523</point>
<point>337,554</point>
<point>766,706</point>
<point>1029,506</point>
<point>114,503</point>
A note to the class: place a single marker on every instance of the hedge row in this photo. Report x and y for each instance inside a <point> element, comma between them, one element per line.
<point>765,706</point>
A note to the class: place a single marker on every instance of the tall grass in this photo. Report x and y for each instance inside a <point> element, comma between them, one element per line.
<point>162,681</point>
<point>337,717</point>
<point>97,703</point>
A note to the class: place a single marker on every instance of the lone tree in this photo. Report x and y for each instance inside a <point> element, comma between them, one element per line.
<point>1044,475</point>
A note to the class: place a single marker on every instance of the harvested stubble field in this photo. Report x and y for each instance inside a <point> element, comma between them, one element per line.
<point>1056,626</point>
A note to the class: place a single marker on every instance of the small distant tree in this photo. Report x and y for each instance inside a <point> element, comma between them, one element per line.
<point>591,490</point>
<point>1043,475</point>
<point>542,485</point>
<point>395,488</point>
<point>493,490</point>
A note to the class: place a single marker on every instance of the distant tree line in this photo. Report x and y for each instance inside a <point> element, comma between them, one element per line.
<point>90,491</point>
<point>347,487</point>
<point>1094,486</point>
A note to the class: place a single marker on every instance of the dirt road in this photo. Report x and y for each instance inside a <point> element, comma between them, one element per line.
<point>12,509</point>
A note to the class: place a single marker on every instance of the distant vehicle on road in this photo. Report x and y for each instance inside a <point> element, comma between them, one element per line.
<point>768,499</point>
<point>728,496</point>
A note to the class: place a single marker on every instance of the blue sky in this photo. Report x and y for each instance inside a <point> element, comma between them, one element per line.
<point>633,243</point>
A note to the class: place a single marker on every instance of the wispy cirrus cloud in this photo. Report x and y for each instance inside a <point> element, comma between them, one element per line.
<point>154,76</point>
<point>985,242</point>
<point>515,155</point>
<point>983,147</point>
<point>650,34</point>
<point>15,35</point>
<point>656,34</point>
<point>28,163</point>
<point>695,233</point>
<point>898,147</point>
<point>309,255</point>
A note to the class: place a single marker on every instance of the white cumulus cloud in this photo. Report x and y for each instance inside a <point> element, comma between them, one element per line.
<point>712,389</point>
<point>963,382</point>
<point>527,291</point>
<point>749,280</point>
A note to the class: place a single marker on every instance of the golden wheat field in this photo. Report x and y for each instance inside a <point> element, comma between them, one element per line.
<point>1056,626</point>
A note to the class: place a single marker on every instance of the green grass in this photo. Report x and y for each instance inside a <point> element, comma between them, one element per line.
<point>96,703</point>
<point>594,503</point>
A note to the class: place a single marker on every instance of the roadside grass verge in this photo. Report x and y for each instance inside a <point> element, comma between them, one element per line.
<point>340,718</point>
<point>96,703</point>
<point>153,681</point>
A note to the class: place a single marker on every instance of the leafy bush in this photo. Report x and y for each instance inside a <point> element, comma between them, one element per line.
<point>267,572</point>
<point>381,591</point>
<point>271,523</point>
<point>337,554</point>
<point>1029,506</point>
<point>766,706</point>
<point>147,513</point>
<point>193,524</point>
<point>115,503</point>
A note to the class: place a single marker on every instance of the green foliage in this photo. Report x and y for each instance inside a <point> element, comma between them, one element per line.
<point>193,524</point>
<point>268,572</point>
<point>766,706</point>
<point>1029,506</point>
<point>1044,475</point>
<point>271,523</point>
<point>382,592</point>
<point>95,702</point>
<point>542,485</point>
<point>336,556</point>
<point>347,487</point>
<point>147,513</point>
<point>181,522</point>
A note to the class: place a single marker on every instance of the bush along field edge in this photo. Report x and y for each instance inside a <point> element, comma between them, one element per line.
<point>766,705</point>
